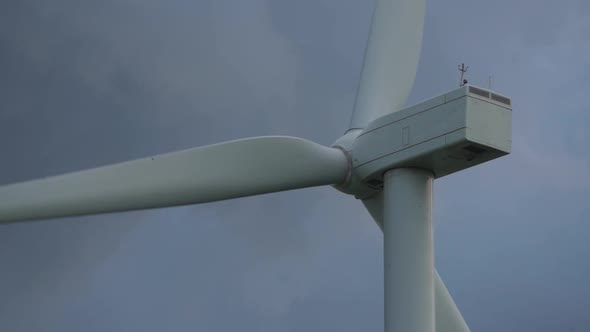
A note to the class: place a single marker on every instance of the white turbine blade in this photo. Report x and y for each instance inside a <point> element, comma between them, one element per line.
<point>448,318</point>
<point>391,58</point>
<point>216,172</point>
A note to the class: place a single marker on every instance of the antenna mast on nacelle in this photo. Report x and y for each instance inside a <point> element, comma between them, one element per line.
<point>462,69</point>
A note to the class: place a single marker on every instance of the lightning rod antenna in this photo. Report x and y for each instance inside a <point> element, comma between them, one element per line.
<point>463,69</point>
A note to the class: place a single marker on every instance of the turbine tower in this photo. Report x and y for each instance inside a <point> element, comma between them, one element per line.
<point>388,158</point>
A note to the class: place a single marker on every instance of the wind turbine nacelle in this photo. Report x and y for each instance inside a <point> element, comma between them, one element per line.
<point>446,134</point>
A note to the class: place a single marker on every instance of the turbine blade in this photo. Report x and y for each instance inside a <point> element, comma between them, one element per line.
<point>211,173</point>
<point>448,317</point>
<point>391,59</point>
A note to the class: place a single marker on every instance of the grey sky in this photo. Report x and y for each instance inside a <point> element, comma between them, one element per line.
<point>87,83</point>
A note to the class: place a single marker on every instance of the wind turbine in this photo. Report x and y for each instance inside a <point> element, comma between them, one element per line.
<point>388,158</point>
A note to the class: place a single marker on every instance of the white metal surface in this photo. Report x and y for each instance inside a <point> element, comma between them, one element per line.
<point>445,134</point>
<point>391,59</point>
<point>216,172</point>
<point>408,251</point>
<point>448,316</point>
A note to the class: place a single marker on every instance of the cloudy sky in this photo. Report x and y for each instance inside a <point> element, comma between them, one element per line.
<point>87,83</point>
